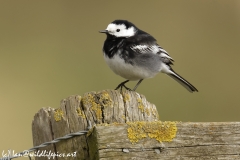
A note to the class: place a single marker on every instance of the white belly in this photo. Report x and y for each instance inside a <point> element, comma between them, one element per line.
<point>128,71</point>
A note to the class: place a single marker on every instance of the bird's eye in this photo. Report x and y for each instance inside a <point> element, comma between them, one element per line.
<point>118,30</point>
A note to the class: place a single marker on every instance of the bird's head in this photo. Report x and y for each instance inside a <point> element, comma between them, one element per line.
<point>120,28</point>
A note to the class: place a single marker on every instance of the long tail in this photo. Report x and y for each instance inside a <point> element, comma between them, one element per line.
<point>170,72</point>
<point>181,81</point>
<point>166,68</point>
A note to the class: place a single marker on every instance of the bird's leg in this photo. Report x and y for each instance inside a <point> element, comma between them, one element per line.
<point>122,85</point>
<point>126,88</point>
<point>137,84</point>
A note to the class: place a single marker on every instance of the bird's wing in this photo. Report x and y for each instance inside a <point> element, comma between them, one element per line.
<point>144,43</point>
<point>153,48</point>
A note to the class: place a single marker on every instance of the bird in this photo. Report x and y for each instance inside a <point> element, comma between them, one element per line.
<point>135,55</point>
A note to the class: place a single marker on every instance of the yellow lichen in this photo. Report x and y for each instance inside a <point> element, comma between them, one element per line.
<point>80,112</point>
<point>126,97</point>
<point>147,111</point>
<point>89,100</point>
<point>96,101</point>
<point>136,131</point>
<point>58,115</point>
<point>154,112</point>
<point>90,131</point>
<point>142,108</point>
<point>103,124</point>
<point>105,99</point>
<point>140,104</point>
<point>161,131</point>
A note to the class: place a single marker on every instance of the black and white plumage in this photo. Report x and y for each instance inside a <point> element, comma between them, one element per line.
<point>135,55</point>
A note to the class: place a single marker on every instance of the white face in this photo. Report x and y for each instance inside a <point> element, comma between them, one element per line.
<point>119,30</point>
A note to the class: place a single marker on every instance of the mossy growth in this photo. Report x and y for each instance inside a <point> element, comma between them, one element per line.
<point>58,115</point>
<point>161,131</point>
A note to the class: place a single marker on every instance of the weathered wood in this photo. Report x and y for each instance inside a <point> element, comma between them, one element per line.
<point>219,140</point>
<point>108,106</point>
<point>41,129</point>
<point>126,126</point>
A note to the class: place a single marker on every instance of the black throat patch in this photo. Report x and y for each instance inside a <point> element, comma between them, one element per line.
<point>112,45</point>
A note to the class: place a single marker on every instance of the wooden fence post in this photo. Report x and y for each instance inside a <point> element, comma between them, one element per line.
<point>127,126</point>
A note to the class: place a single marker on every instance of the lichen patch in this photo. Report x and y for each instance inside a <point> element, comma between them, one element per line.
<point>161,131</point>
<point>58,115</point>
<point>80,112</point>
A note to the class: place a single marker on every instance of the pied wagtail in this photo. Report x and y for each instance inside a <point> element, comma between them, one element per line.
<point>135,55</point>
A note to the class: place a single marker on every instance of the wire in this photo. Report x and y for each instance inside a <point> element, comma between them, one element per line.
<point>9,157</point>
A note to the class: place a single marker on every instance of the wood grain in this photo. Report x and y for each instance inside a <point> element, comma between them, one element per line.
<point>110,113</point>
<point>219,140</point>
<point>104,107</point>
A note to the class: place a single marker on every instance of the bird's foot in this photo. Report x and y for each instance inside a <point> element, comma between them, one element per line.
<point>127,88</point>
<point>121,85</point>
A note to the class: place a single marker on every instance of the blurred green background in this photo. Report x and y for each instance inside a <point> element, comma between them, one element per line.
<point>50,50</point>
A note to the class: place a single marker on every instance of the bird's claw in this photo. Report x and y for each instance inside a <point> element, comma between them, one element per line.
<point>127,88</point>
<point>123,86</point>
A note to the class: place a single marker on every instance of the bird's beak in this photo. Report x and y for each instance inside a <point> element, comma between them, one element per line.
<point>103,31</point>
